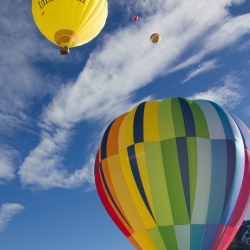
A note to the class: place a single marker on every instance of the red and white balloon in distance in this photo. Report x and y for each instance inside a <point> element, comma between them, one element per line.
<point>135,17</point>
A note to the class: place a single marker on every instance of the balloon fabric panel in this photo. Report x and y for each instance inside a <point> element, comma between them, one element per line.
<point>245,132</point>
<point>141,161</point>
<point>202,182</point>
<point>174,182</point>
<point>108,205</point>
<point>157,180</point>
<point>150,122</point>
<point>175,174</point>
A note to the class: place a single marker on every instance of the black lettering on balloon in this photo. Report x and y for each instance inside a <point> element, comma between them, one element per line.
<point>42,3</point>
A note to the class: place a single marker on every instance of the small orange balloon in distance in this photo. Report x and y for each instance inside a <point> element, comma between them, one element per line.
<point>135,17</point>
<point>155,38</point>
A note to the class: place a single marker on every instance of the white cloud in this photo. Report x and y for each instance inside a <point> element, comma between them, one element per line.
<point>7,165</point>
<point>125,62</point>
<point>7,212</point>
<point>43,169</point>
<point>225,33</point>
<point>203,67</point>
<point>228,95</point>
<point>22,80</point>
<point>245,46</point>
<point>238,2</point>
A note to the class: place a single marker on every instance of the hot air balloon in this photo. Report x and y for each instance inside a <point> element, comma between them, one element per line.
<point>155,38</point>
<point>135,17</point>
<point>70,23</point>
<point>175,174</point>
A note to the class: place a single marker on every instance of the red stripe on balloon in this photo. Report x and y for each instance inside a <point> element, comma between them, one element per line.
<point>219,235</point>
<point>107,204</point>
<point>226,240</point>
<point>226,234</point>
<point>244,195</point>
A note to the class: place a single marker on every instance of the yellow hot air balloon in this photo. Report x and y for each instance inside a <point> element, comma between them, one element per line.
<point>70,23</point>
<point>155,38</point>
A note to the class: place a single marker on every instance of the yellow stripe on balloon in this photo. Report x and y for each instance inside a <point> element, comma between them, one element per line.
<point>130,127</point>
<point>85,15</point>
<point>123,194</point>
<point>142,166</point>
<point>144,240</point>
<point>134,192</point>
<point>96,11</point>
<point>150,122</point>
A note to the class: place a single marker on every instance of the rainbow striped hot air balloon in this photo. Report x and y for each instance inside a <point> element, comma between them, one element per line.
<point>175,174</point>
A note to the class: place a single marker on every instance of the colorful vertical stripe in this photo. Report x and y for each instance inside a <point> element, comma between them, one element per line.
<point>174,174</point>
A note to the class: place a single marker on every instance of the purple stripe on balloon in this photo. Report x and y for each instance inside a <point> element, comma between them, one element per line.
<point>209,236</point>
<point>237,181</point>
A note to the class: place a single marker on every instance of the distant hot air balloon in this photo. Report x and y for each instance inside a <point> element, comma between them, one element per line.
<point>135,17</point>
<point>70,23</point>
<point>155,38</point>
<point>175,174</point>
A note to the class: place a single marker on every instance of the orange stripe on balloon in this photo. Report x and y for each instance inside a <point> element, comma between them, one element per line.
<point>112,144</point>
<point>112,190</point>
<point>135,243</point>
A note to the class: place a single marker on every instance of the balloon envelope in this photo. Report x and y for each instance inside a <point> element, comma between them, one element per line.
<point>135,17</point>
<point>155,38</point>
<point>175,174</point>
<point>70,23</point>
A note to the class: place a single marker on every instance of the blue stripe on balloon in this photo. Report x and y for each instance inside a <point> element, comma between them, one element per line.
<point>137,177</point>
<point>237,181</point>
<point>188,117</point>
<point>209,236</point>
<point>138,123</point>
<point>104,142</point>
<point>218,181</point>
<point>184,167</point>
<point>196,236</point>
<point>110,195</point>
<point>229,134</point>
<point>230,170</point>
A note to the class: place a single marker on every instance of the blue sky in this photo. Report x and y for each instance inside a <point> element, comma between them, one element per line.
<point>54,109</point>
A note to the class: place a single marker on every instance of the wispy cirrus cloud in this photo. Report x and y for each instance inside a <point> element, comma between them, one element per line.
<point>228,95</point>
<point>7,164</point>
<point>124,63</point>
<point>225,33</point>
<point>202,68</point>
<point>7,212</point>
<point>22,79</point>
